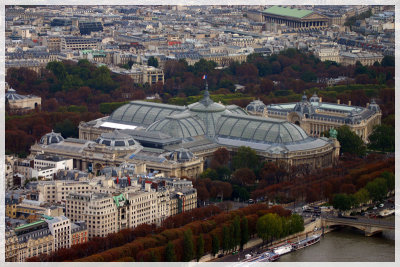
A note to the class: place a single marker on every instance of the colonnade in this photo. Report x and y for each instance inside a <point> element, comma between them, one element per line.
<point>297,24</point>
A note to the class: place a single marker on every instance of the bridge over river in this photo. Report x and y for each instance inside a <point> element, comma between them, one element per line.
<point>369,226</point>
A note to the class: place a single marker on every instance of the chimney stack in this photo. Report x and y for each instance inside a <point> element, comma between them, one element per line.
<point>349,102</point>
<point>338,101</point>
<point>320,99</point>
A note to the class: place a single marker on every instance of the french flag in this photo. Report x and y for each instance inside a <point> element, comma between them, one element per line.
<point>204,77</point>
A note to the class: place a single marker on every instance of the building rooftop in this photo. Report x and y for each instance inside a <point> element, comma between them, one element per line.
<point>288,12</point>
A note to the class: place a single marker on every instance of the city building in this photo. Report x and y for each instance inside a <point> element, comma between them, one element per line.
<point>294,17</point>
<point>205,126</point>
<point>21,103</point>
<point>316,117</point>
<point>60,229</point>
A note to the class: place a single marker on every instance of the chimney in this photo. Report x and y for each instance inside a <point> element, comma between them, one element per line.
<point>349,102</point>
<point>147,186</point>
<point>338,101</point>
<point>320,99</point>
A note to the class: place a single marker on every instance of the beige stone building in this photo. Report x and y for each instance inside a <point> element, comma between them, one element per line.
<point>196,131</point>
<point>19,102</point>
<point>114,149</point>
<point>316,117</point>
<point>33,239</point>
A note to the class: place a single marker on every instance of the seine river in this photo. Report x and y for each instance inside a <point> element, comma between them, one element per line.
<point>347,245</point>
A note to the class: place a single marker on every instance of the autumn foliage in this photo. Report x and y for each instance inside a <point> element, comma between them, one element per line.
<point>148,243</point>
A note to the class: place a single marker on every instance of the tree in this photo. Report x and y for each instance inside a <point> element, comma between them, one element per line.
<point>382,138</point>
<point>269,227</point>
<point>152,61</point>
<point>377,189</point>
<point>350,142</point>
<point>243,176</point>
<point>343,201</point>
<point>220,158</point>
<point>236,231</point>
<point>308,76</point>
<point>245,158</point>
<point>170,252</point>
<point>362,196</point>
<point>215,244</point>
<point>296,223</point>
<point>390,180</point>
<point>244,231</point>
<point>388,61</point>
<point>204,66</point>
<point>188,250</point>
<point>225,238</point>
<point>200,247</point>
<point>58,69</point>
<point>66,128</point>
<point>209,173</point>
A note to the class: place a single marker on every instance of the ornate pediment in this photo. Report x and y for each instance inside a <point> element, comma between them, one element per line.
<point>315,16</point>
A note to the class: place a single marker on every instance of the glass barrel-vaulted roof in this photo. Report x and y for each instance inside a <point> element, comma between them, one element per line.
<point>182,125</point>
<point>142,113</point>
<point>259,129</point>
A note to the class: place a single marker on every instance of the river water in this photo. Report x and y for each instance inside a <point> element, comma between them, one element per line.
<point>347,245</point>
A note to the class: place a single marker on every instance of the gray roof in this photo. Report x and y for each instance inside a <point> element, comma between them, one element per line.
<point>142,113</point>
<point>259,129</point>
<point>179,126</point>
<point>116,139</point>
<point>11,94</point>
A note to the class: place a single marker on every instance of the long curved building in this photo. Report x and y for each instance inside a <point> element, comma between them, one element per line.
<point>204,126</point>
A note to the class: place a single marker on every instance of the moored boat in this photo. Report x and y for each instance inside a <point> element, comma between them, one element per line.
<point>306,242</point>
<point>281,250</point>
<point>267,256</point>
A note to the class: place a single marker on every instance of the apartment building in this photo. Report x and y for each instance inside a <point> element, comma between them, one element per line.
<point>78,43</point>
<point>60,228</point>
<point>98,210</point>
<point>32,239</point>
<point>56,162</point>
<point>57,191</point>
<point>79,233</point>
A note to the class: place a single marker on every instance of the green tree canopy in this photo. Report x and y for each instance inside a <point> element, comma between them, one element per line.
<point>362,196</point>
<point>204,66</point>
<point>390,180</point>
<point>152,61</point>
<point>66,128</point>
<point>343,202</point>
<point>269,227</point>
<point>382,138</point>
<point>215,244</point>
<point>388,61</point>
<point>244,231</point>
<point>377,189</point>
<point>200,247</point>
<point>245,158</point>
<point>170,252</point>
<point>188,248</point>
<point>350,142</point>
<point>236,231</point>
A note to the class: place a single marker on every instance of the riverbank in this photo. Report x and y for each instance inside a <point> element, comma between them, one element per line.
<point>255,244</point>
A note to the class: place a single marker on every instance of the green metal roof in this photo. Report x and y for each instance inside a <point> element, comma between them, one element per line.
<point>28,225</point>
<point>119,198</point>
<point>288,12</point>
<point>47,217</point>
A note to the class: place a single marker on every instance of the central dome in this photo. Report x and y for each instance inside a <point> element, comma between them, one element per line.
<point>179,126</point>
<point>209,112</point>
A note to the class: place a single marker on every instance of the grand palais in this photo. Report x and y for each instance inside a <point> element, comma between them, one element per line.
<point>180,140</point>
